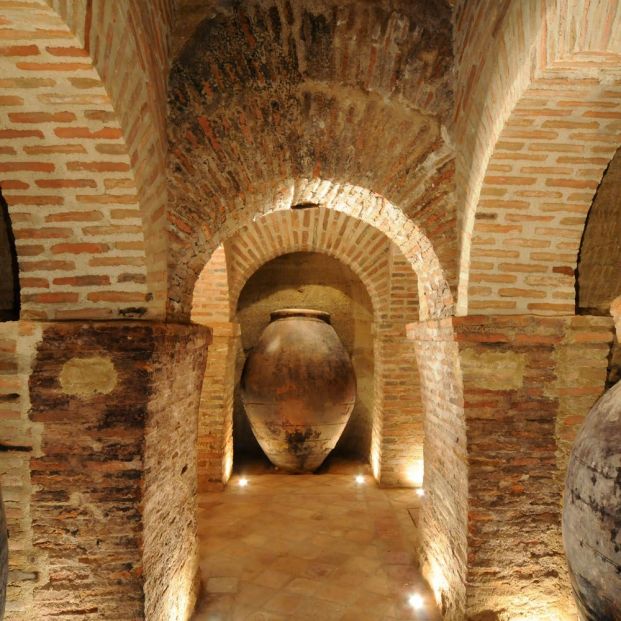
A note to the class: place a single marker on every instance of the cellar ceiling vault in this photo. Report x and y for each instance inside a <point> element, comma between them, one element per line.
<point>450,169</point>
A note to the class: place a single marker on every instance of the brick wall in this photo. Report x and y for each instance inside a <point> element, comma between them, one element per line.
<point>597,282</point>
<point>444,514</point>
<point>96,510</point>
<point>80,165</point>
<point>215,426</point>
<point>170,553</point>
<point>20,440</point>
<point>527,384</point>
<point>397,433</point>
<point>401,404</point>
<point>211,306</point>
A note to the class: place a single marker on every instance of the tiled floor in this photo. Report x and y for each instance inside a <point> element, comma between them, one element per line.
<point>318,547</point>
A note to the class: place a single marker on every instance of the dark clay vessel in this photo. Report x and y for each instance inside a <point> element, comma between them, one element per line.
<point>299,388</point>
<point>4,558</point>
<point>592,512</point>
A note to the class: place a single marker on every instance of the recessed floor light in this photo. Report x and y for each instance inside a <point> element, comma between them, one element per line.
<point>243,482</point>
<point>416,601</point>
<point>359,479</point>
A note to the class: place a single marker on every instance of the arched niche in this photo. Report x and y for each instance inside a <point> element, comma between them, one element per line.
<point>320,282</point>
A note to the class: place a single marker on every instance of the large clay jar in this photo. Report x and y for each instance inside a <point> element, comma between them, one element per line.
<point>298,387</point>
<point>4,558</point>
<point>592,512</point>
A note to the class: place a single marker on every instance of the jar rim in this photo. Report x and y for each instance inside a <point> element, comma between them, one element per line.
<point>308,313</point>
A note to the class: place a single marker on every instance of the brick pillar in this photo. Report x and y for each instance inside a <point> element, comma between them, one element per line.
<point>108,435</point>
<point>401,444</point>
<point>215,426</point>
<point>528,382</point>
<point>444,512</point>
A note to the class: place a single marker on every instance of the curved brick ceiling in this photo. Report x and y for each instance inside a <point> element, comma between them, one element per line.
<point>363,248</point>
<point>537,123</point>
<point>82,154</point>
<point>265,99</point>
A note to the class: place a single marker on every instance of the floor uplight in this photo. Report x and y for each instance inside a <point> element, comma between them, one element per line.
<point>359,479</point>
<point>416,601</point>
<point>243,482</point>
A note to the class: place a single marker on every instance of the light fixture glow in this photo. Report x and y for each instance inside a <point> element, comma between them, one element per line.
<point>420,491</point>
<point>416,601</point>
<point>243,482</point>
<point>414,473</point>
<point>359,479</point>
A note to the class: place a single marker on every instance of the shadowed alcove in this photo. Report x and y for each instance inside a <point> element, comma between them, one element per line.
<point>9,273</point>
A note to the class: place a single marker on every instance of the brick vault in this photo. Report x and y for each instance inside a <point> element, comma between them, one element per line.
<point>452,162</point>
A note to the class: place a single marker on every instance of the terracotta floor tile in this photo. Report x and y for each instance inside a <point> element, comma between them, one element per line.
<point>283,603</point>
<point>222,584</point>
<point>309,548</point>
<point>273,578</point>
<point>303,586</point>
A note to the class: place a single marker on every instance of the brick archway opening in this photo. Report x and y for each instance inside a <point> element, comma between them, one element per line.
<point>397,437</point>
<point>320,282</point>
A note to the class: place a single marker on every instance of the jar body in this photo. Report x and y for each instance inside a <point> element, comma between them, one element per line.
<point>4,558</point>
<point>298,388</point>
<point>592,511</point>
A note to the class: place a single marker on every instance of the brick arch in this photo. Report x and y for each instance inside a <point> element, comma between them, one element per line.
<point>82,167</point>
<point>354,243</point>
<point>532,155</point>
<point>262,104</point>
<point>598,280</point>
<point>435,297</point>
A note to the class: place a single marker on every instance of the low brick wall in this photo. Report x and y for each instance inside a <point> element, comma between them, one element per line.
<point>19,439</point>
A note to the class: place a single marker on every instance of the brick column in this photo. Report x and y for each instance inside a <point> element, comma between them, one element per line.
<point>108,440</point>
<point>215,419</point>
<point>400,408</point>
<point>528,382</point>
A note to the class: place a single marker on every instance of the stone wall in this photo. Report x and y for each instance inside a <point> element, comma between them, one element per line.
<point>87,526</point>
